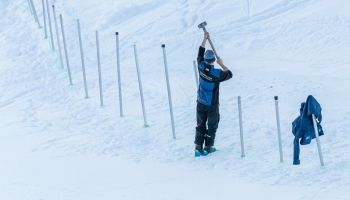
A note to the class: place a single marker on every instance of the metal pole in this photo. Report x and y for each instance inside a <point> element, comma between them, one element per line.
<point>169,92</point>
<point>212,46</point>
<point>82,60</point>
<point>35,14</point>
<point>57,35</point>
<point>66,51</point>
<point>195,72</point>
<point>278,129</point>
<point>30,7</point>
<point>248,7</point>
<point>317,140</point>
<point>99,68</point>
<point>140,86</point>
<point>44,15</point>
<point>50,26</point>
<point>119,76</point>
<point>241,126</point>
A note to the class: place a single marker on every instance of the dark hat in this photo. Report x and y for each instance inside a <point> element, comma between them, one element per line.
<point>209,56</point>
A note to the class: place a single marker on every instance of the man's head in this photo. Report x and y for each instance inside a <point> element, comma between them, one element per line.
<point>209,56</point>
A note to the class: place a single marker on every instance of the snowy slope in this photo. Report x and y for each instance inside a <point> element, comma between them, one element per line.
<point>54,144</point>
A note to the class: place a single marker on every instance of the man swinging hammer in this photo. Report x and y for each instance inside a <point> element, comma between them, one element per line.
<point>208,116</point>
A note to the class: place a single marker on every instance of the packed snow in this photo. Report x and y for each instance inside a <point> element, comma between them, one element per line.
<point>55,144</point>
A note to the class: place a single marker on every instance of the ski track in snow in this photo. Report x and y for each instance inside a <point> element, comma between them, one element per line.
<point>268,53</point>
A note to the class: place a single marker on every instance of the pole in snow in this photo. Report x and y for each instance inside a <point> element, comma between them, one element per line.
<point>119,76</point>
<point>44,16</point>
<point>278,129</point>
<point>50,26</point>
<point>30,7</point>
<point>99,68</point>
<point>169,92</point>
<point>317,140</point>
<point>35,13</point>
<point>241,126</point>
<point>57,35</point>
<point>195,72</point>
<point>82,60</point>
<point>140,87</point>
<point>66,51</point>
<point>248,7</point>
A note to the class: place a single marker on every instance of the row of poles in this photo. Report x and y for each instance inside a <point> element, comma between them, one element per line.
<point>46,10</point>
<point>60,33</point>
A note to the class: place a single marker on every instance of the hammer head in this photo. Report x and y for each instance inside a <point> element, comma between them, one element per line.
<point>202,25</point>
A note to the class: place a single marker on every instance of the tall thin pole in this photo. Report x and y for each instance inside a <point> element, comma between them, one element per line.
<point>50,26</point>
<point>30,7</point>
<point>119,76</point>
<point>82,60</point>
<point>66,51</point>
<point>44,16</point>
<point>169,92</point>
<point>241,126</point>
<point>318,140</point>
<point>195,72</point>
<point>99,69</point>
<point>278,129</point>
<point>35,13</point>
<point>140,87</point>
<point>57,35</point>
<point>248,7</point>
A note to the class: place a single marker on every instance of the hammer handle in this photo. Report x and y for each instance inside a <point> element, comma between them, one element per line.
<point>211,43</point>
<point>212,46</point>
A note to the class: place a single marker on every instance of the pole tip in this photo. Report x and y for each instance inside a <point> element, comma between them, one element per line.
<point>163,45</point>
<point>276,98</point>
<point>116,33</point>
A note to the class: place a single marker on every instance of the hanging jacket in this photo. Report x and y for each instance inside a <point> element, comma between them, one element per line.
<point>209,81</point>
<point>302,126</point>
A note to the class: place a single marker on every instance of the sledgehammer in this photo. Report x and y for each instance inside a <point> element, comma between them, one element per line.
<point>202,25</point>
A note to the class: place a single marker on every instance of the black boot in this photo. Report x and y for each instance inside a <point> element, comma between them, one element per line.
<point>198,151</point>
<point>208,149</point>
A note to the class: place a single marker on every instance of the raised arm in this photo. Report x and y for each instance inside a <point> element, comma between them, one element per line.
<point>202,48</point>
<point>222,65</point>
<point>225,74</point>
<point>206,36</point>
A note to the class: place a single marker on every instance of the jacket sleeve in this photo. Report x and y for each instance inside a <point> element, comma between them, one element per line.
<point>296,151</point>
<point>200,57</point>
<point>224,76</point>
<point>296,146</point>
<point>296,126</point>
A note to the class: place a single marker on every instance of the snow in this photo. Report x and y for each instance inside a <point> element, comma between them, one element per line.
<point>54,144</point>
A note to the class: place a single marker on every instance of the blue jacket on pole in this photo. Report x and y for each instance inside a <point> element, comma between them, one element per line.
<point>303,129</point>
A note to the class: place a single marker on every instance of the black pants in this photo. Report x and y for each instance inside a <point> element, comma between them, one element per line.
<point>207,123</point>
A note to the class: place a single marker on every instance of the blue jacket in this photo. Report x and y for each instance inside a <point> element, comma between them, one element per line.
<point>209,81</point>
<point>302,126</point>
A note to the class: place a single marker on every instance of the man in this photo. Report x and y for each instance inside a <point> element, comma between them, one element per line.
<point>208,98</point>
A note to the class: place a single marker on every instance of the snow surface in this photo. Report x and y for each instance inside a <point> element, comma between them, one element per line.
<point>54,144</point>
